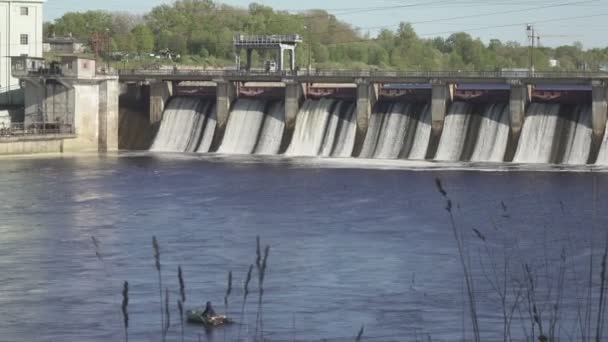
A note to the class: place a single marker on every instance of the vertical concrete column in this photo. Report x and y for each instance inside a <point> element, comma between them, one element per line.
<point>86,116</point>
<point>226,93</point>
<point>600,108</point>
<point>160,92</point>
<point>599,115</point>
<point>518,101</point>
<point>294,95</point>
<point>367,95</point>
<point>440,99</point>
<point>108,115</point>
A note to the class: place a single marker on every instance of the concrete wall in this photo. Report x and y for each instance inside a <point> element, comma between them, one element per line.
<point>31,145</point>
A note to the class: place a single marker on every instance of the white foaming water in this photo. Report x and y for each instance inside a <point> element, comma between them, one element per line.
<point>493,135</point>
<point>422,137</point>
<point>181,126</point>
<point>311,123</point>
<point>244,124</point>
<point>330,130</point>
<point>271,135</point>
<point>455,131</point>
<point>578,136</point>
<point>208,131</point>
<point>394,126</point>
<point>538,133</point>
<point>393,132</point>
<point>602,158</point>
<point>347,130</point>
<point>373,130</point>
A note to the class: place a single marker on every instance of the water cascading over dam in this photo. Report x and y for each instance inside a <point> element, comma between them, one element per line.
<point>554,133</point>
<point>254,126</point>
<point>397,130</point>
<point>324,127</point>
<point>188,125</point>
<point>474,132</point>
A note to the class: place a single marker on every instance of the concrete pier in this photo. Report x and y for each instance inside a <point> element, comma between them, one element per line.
<point>599,106</point>
<point>367,95</point>
<point>160,92</point>
<point>226,94</point>
<point>442,95</point>
<point>519,98</point>
<point>294,95</point>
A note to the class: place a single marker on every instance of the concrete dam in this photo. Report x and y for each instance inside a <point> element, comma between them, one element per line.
<point>466,122</point>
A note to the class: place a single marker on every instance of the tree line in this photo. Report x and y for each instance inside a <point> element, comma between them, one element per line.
<point>202,31</point>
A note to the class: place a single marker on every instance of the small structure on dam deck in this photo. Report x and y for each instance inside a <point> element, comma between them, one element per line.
<point>69,106</point>
<point>278,43</point>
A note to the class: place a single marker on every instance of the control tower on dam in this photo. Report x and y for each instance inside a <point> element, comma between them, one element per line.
<point>442,92</point>
<point>70,105</point>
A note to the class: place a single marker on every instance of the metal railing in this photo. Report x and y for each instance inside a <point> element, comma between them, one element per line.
<point>366,74</point>
<point>266,39</point>
<point>35,128</point>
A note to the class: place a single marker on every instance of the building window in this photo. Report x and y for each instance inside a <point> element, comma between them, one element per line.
<point>24,39</point>
<point>25,11</point>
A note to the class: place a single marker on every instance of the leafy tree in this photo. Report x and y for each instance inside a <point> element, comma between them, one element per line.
<point>144,38</point>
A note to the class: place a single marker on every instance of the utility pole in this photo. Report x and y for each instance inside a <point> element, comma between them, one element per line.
<point>531,40</point>
<point>307,27</point>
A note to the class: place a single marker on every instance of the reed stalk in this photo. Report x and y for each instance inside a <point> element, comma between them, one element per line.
<point>226,296</point>
<point>182,286</point>
<point>359,337</point>
<point>180,308</point>
<point>261,275</point>
<point>467,276</point>
<point>125,306</point>
<point>157,265</point>
<point>245,294</point>
<point>167,313</point>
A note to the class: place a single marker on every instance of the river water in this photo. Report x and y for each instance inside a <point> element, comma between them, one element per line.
<point>349,245</point>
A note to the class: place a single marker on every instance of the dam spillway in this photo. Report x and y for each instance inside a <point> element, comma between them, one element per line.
<point>476,126</point>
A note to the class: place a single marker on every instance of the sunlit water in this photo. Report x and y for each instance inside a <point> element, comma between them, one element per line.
<point>350,246</point>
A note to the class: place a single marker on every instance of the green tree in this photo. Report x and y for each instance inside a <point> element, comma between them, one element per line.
<point>144,38</point>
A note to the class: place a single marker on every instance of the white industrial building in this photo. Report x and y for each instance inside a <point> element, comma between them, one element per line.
<point>20,35</point>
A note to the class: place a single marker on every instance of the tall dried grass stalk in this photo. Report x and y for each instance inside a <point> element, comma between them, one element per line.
<point>180,308</point>
<point>125,306</point>
<point>245,295</point>
<point>359,337</point>
<point>182,286</point>
<point>167,314</point>
<point>157,265</point>
<point>467,275</point>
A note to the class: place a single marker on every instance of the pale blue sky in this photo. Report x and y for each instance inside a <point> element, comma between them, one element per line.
<point>558,22</point>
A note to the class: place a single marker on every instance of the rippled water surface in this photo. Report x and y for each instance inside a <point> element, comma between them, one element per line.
<point>349,246</point>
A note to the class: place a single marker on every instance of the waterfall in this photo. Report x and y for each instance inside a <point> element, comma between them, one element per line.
<point>244,124</point>
<point>602,158</point>
<point>555,134</point>
<point>538,133</point>
<point>181,126</point>
<point>578,135</point>
<point>393,131</point>
<point>456,132</point>
<point>324,127</point>
<point>493,135</point>
<point>208,131</point>
<point>271,136</point>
